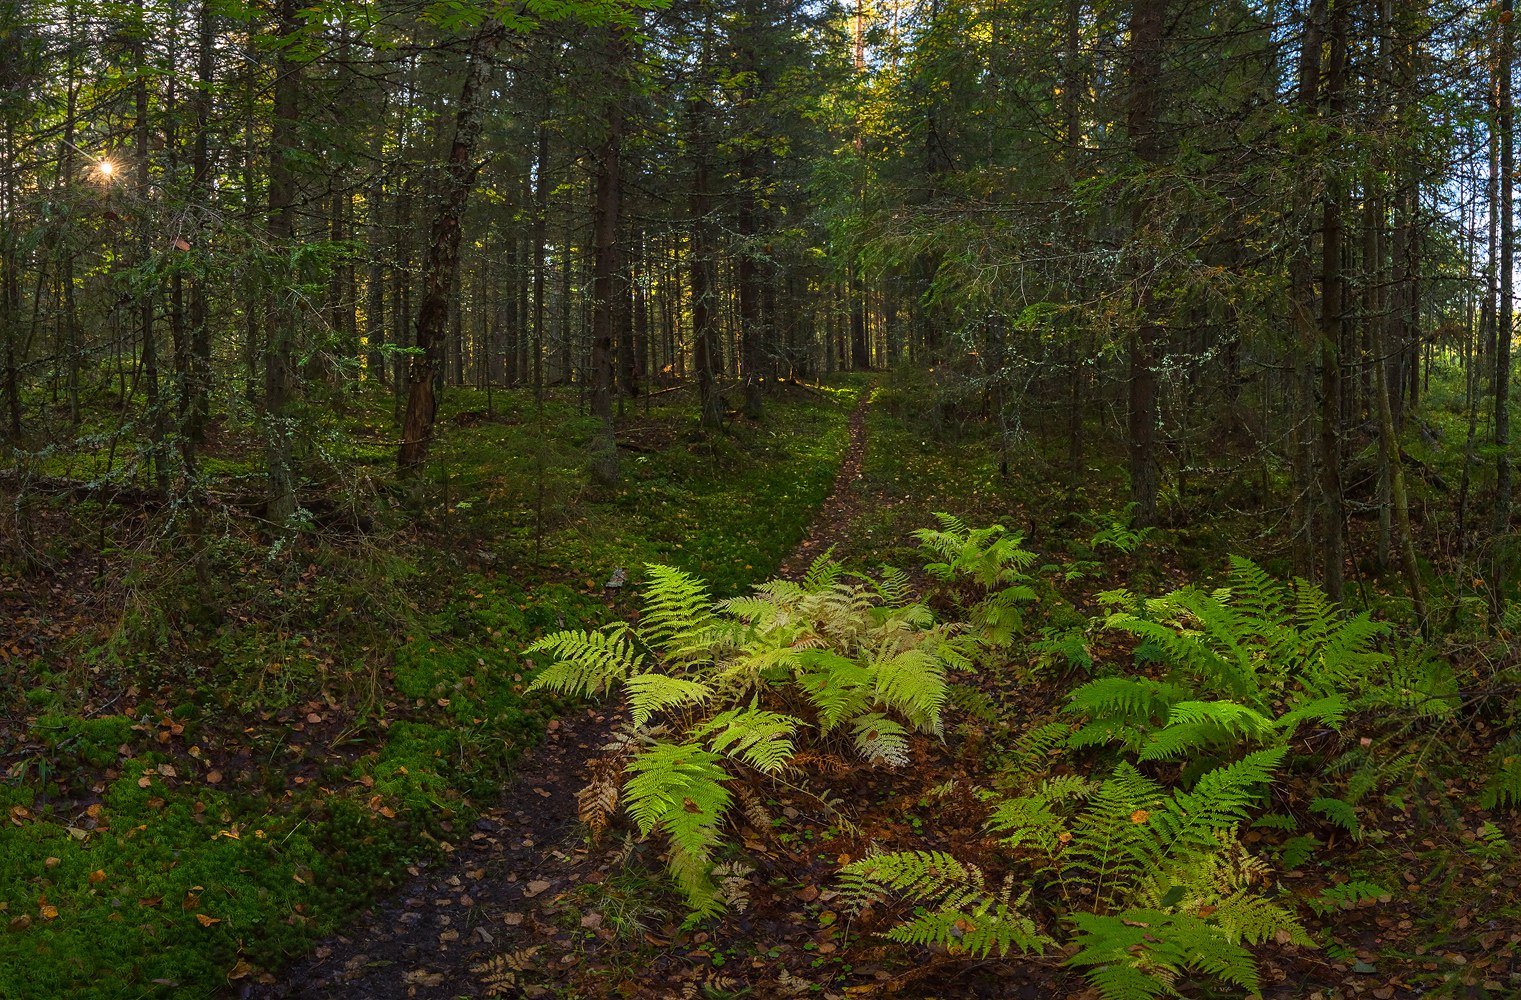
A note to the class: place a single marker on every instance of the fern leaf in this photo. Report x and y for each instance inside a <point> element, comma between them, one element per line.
<point>1220,800</point>
<point>760,738</point>
<point>678,616</point>
<point>880,739</point>
<point>585,663</point>
<point>1339,812</point>
<point>653,692</point>
<point>678,789</point>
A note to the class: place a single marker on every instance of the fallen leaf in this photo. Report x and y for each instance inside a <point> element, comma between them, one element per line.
<point>535,887</point>
<point>206,921</point>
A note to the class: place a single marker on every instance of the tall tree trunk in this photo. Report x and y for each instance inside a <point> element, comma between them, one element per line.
<point>748,280</point>
<point>704,325</point>
<point>10,282</point>
<point>1148,22</point>
<point>1332,314</point>
<point>198,374</point>
<point>607,264</point>
<point>1505,332</point>
<point>441,265</point>
<point>148,294</point>
<point>540,240</point>
<point>279,350</point>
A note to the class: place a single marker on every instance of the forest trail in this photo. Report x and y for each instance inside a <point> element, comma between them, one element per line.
<point>495,892</point>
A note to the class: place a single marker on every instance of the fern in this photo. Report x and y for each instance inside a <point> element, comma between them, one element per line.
<point>1503,789</point>
<point>959,913</point>
<point>879,739</point>
<point>1349,894</point>
<point>1297,850</point>
<point>913,683</point>
<point>991,928</point>
<point>585,663</point>
<point>651,693</point>
<point>1340,813</point>
<point>678,618</point>
<point>1112,849</point>
<point>1221,800</point>
<point>758,737</point>
<point>1137,953</point>
<point>678,790</point>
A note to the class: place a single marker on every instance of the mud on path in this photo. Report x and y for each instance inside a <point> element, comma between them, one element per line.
<point>492,896</point>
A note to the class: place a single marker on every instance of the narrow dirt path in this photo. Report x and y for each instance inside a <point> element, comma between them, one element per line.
<point>488,897</point>
<point>841,507</point>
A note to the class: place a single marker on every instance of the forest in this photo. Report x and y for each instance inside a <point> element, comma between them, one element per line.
<point>759,498</point>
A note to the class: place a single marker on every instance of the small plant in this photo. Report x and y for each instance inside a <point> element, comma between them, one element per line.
<point>1116,530</point>
<point>992,564</point>
<point>723,694</point>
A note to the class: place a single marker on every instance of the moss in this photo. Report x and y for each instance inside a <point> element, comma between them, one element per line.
<point>93,742</point>
<point>272,864</point>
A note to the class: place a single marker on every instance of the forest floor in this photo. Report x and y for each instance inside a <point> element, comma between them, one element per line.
<point>321,794</point>
<point>530,906</point>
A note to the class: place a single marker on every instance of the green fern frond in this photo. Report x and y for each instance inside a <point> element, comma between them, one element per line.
<point>1330,710</point>
<point>880,739</point>
<point>1157,945</point>
<point>1220,800</point>
<point>1113,847</point>
<point>913,683</point>
<point>989,929</point>
<point>1256,592</point>
<point>1032,819</point>
<point>894,587</point>
<point>1339,812</point>
<point>1503,789</point>
<point>1194,726</point>
<point>1120,709</point>
<point>1349,894</point>
<point>1246,917</point>
<point>837,686</point>
<point>824,573</point>
<point>1033,751</point>
<point>678,617</point>
<point>760,738</point>
<point>678,790</point>
<point>919,876</point>
<point>585,663</point>
<point>652,692</point>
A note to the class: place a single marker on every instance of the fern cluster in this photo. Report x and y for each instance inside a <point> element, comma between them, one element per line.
<point>955,910</point>
<point>722,693</point>
<point>1246,666</point>
<point>992,563</point>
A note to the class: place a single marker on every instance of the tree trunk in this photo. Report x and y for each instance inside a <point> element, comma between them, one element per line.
<point>607,265</point>
<point>1505,332</point>
<point>1332,313</point>
<point>441,266</point>
<point>704,327</point>
<point>1147,27</point>
<point>279,350</point>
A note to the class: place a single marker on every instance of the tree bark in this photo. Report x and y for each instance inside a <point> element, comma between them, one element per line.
<point>279,350</point>
<point>1147,29</point>
<point>442,263</point>
<point>607,265</point>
